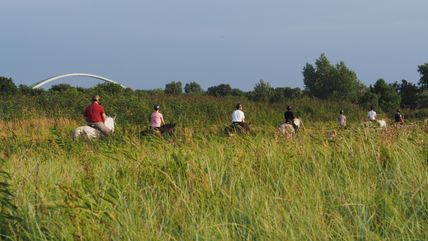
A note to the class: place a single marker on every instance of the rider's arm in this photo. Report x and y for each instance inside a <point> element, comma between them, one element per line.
<point>104,116</point>
<point>162,121</point>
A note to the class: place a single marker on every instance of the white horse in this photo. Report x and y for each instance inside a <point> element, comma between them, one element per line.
<point>288,130</point>
<point>92,133</point>
<point>379,123</point>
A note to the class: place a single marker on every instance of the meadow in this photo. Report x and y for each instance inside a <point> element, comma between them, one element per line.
<point>200,184</point>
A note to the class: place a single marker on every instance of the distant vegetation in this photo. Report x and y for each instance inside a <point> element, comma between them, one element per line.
<point>323,81</point>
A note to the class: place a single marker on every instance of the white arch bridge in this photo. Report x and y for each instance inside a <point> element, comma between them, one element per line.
<point>43,82</point>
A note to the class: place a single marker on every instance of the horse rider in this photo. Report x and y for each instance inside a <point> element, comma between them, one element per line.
<point>238,117</point>
<point>289,117</point>
<point>341,119</point>
<point>398,117</point>
<point>156,118</point>
<point>95,115</point>
<point>371,115</point>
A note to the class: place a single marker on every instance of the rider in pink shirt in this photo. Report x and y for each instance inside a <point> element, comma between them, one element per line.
<point>156,118</point>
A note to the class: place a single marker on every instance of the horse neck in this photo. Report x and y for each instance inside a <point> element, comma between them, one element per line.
<point>109,122</point>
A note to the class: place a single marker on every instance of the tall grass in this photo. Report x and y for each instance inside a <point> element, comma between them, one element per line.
<point>364,184</point>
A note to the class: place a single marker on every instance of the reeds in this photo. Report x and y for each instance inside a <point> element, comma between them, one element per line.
<point>363,184</point>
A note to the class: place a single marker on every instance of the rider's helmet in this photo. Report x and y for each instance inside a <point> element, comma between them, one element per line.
<point>289,107</point>
<point>156,107</point>
<point>341,112</point>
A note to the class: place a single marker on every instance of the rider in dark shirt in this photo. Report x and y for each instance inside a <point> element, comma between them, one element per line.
<point>398,117</point>
<point>289,117</point>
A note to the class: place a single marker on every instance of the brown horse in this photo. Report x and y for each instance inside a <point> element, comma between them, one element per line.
<point>238,128</point>
<point>167,129</point>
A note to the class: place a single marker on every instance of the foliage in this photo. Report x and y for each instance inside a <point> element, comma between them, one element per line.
<point>325,80</point>
<point>174,87</point>
<point>61,87</point>
<point>220,90</point>
<point>263,91</point>
<point>369,99</point>
<point>389,100</point>
<point>7,87</point>
<point>27,90</point>
<point>423,71</point>
<point>237,92</point>
<point>193,88</point>
<point>422,100</point>
<point>8,217</point>
<point>286,94</point>
<point>108,89</point>
<point>408,93</point>
<point>418,114</point>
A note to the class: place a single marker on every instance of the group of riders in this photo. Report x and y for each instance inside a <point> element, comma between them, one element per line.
<point>95,116</point>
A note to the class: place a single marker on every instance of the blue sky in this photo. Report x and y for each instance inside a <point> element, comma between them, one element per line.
<point>145,44</point>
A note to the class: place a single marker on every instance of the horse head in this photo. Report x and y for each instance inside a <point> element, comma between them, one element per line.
<point>109,122</point>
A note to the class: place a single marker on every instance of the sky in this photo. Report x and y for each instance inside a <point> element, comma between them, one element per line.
<point>145,44</point>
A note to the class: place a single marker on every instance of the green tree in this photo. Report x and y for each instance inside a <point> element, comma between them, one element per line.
<point>237,92</point>
<point>61,87</point>
<point>423,71</point>
<point>193,88</point>
<point>422,101</point>
<point>285,94</point>
<point>369,99</point>
<point>220,90</point>
<point>389,99</point>
<point>408,93</point>
<point>174,87</point>
<point>325,80</point>
<point>7,87</point>
<point>27,90</point>
<point>108,88</point>
<point>263,91</point>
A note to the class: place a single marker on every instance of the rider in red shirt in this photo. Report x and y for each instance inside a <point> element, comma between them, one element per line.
<point>95,115</point>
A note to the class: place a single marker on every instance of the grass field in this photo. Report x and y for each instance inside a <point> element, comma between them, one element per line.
<point>364,184</point>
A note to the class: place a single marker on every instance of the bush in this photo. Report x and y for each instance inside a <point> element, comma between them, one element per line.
<point>174,87</point>
<point>7,87</point>
<point>418,114</point>
<point>193,88</point>
<point>262,91</point>
<point>220,90</point>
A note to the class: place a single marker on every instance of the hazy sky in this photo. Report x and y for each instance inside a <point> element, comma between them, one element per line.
<point>145,44</point>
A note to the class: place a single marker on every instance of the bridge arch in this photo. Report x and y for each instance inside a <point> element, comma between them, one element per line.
<point>43,82</point>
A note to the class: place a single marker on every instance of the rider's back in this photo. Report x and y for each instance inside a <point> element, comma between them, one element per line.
<point>238,116</point>
<point>371,115</point>
<point>94,112</point>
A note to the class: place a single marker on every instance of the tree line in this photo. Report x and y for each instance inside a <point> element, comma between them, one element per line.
<point>322,80</point>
